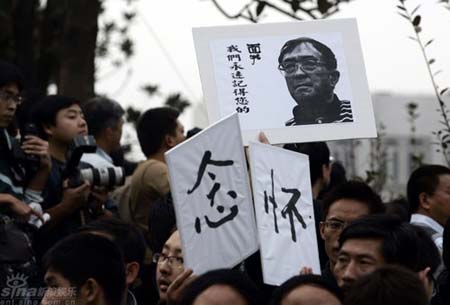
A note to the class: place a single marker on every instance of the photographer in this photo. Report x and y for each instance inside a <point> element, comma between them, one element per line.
<point>19,185</point>
<point>104,118</point>
<point>62,120</point>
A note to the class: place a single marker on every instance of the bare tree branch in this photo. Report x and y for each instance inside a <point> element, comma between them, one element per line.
<point>240,14</point>
<point>299,10</point>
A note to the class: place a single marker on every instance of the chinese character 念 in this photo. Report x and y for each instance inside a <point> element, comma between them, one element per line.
<point>206,160</point>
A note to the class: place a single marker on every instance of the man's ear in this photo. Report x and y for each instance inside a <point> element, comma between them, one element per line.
<point>322,230</point>
<point>169,140</point>
<point>334,77</point>
<point>326,173</point>
<point>48,129</point>
<point>132,272</point>
<point>108,132</point>
<point>424,201</point>
<point>90,291</point>
<point>426,281</point>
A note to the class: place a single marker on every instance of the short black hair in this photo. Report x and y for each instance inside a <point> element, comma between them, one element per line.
<point>101,113</point>
<point>354,190</point>
<point>428,253</point>
<point>10,73</point>
<point>161,222</point>
<point>388,285</point>
<point>45,110</point>
<point>424,179</point>
<point>126,236</point>
<point>153,125</point>
<point>399,207</point>
<point>233,278</point>
<point>399,239</point>
<point>327,55</point>
<point>82,256</point>
<point>300,280</point>
<point>318,153</point>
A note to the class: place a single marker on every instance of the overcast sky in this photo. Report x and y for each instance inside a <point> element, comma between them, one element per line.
<point>162,30</point>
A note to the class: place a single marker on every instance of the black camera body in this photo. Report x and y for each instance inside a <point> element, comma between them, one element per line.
<point>23,165</point>
<point>79,146</point>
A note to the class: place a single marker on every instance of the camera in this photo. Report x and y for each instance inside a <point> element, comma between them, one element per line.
<point>106,176</point>
<point>79,146</point>
<point>23,165</point>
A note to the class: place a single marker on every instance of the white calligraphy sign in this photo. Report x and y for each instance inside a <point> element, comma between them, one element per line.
<point>284,212</point>
<point>212,197</point>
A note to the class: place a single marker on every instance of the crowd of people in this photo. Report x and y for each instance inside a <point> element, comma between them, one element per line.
<point>79,226</point>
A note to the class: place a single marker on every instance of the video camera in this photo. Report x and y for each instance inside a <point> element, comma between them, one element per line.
<point>106,176</point>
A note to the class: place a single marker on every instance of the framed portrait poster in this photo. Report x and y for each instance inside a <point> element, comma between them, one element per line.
<point>296,82</point>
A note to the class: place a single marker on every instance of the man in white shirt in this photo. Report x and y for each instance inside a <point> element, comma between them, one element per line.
<point>428,193</point>
<point>104,119</point>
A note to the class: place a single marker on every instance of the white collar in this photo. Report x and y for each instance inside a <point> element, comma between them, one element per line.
<point>104,155</point>
<point>428,221</point>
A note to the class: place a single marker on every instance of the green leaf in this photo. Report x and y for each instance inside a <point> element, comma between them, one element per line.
<point>443,91</point>
<point>431,61</point>
<point>416,20</point>
<point>260,7</point>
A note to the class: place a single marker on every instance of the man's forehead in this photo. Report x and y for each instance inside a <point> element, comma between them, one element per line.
<point>303,49</point>
<point>10,88</point>
<point>347,209</point>
<point>72,108</point>
<point>173,244</point>
<point>362,247</point>
<point>444,180</point>
<point>54,277</point>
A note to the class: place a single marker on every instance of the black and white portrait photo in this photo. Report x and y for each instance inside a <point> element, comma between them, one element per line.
<point>310,70</point>
<point>296,82</point>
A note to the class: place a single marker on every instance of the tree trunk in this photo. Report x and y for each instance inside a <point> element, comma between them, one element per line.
<point>77,69</point>
<point>23,32</point>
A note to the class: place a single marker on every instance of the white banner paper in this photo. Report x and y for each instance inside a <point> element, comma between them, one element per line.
<point>284,212</point>
<point>212,198</point>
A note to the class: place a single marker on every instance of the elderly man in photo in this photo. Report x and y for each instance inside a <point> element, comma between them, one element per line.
<point>310,70</point>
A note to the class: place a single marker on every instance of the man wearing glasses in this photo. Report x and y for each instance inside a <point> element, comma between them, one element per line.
<point>344,204</point>
<point>310,70</point>
<point>170,265</point>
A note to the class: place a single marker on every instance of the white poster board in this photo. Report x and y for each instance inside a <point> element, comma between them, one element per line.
<point>284,212</point>
<point>240,71</point>
<point>212,197</point>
